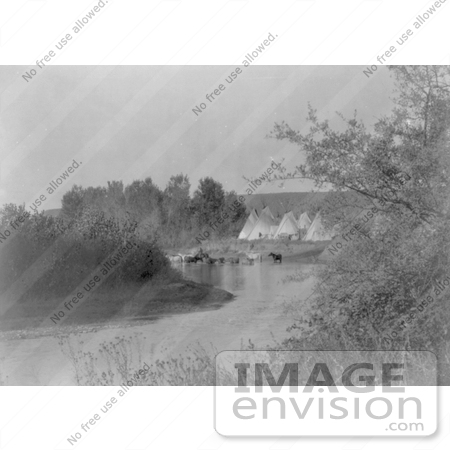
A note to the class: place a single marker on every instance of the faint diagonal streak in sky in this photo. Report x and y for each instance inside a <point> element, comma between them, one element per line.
<point>286,84</point>
<point>178,129</point>
<point>7,100</point>
<point>15,157</point>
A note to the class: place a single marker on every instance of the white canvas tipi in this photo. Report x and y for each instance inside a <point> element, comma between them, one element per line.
<point>267,211</point>
<point>287,226</point>
<point>304,222</point>
<point>317,232</point>
<point>249,224</point>
<point>262,226</point>
<point>273,230</point>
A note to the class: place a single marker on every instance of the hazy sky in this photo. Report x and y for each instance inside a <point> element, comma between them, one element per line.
<point>131,122</point>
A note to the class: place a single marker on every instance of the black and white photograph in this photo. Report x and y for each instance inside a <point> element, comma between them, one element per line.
<point>225,226</point>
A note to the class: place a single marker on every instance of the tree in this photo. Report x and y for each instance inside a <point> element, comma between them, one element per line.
<point>176,207</point>
<point>73,202</point>
<point>177,200</point>
<point>237,215</point>
<point>114,202</point>
<point>144,203</point>
<point>208,201</point>
<point>400,173</point>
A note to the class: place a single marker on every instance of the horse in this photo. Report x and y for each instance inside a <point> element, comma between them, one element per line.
<point>254,256</point>
<point>276,257</point>
<point>189,259</point>
<point>200,256</point>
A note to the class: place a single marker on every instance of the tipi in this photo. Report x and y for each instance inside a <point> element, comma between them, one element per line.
<point>267,211</point>
<point>304,222</point>
<point>273,230</point>
<point>249,224</point>
<point>317,232</point>
<point>262,226</point>
<point>287,226</point>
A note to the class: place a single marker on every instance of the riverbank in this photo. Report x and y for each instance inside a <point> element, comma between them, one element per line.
<point>218,322</point>
<point>126,306</point>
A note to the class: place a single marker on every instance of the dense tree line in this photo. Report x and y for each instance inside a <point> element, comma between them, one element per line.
<point>171,214</point>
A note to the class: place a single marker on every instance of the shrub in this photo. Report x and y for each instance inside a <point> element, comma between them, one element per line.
<point>59,258</point>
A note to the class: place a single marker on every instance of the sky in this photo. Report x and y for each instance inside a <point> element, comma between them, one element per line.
<point>132,122</point>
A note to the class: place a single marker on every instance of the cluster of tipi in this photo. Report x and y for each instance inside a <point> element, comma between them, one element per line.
<point>265,226</point>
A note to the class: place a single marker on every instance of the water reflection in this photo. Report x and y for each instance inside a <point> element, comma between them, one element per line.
<point>262,279</point>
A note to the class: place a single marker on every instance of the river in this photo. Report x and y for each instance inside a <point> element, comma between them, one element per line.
<point>256,314</point>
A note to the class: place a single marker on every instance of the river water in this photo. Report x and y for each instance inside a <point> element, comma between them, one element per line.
<point>256,314</point>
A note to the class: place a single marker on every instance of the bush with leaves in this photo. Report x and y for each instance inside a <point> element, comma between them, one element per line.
<point>401,168</point>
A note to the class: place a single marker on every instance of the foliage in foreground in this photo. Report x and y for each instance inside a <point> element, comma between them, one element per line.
<point>399,173</point>
<point>117,362</point>
<point>62,260</point>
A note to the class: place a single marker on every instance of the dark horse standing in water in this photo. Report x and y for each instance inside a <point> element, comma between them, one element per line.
<point>200,256</point>
<point>276,257</point>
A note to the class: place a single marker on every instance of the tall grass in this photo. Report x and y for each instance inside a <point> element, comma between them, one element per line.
<point>116,362</point>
